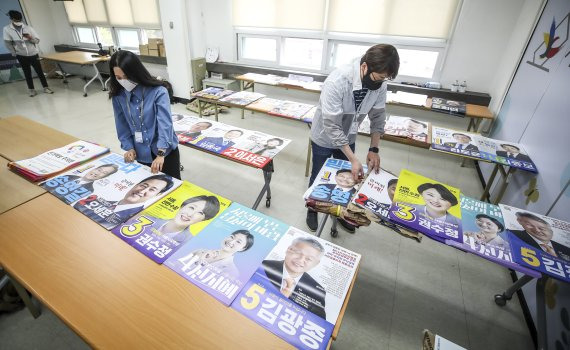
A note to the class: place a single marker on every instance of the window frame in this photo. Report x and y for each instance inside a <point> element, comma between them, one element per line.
<point>115,36</point>
<point>93,30</point>
<point>117,42</point>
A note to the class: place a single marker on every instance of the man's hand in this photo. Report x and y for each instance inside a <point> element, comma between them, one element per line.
<point>156,165</point>
<point>357,170</point>
<point>130,156</point>
<point>373,162</point>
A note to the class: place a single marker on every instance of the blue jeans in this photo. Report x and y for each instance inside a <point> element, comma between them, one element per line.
<point>320,156</point>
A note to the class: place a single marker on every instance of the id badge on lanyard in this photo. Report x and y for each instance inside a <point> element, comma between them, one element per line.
<point>138,133</point>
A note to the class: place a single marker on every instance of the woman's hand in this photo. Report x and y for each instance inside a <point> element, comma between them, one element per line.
<point>156,165</point>
<point>130,156</point>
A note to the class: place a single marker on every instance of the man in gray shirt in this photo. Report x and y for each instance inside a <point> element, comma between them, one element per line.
<point>349,94</point>
<point>21,40</point>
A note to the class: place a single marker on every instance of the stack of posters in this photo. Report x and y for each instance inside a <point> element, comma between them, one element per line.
<point>376,193</point>
<point>110,191</point>
<point>242,98</point>
<point>213,93</point>
<point>448,106</point>
<point>481,148</point>
<point>290,109</point>
<point>408,130</point>
<point>268,79</point>
<point>427,206</point>
<point>264,105</point>
<point>298,290</point>
<point>57,160</point>
<point>334,183</point>
<point>538,242</point>
<point>484,232</point>
<point>224,256</point>
<point>161,229</point>
<point>250,147</point>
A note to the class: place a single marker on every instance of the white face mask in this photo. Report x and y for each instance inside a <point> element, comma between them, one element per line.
<point>127,84</point>
<point>17,24</point>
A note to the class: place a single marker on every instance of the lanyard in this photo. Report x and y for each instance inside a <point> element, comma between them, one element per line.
<point>140,114</point>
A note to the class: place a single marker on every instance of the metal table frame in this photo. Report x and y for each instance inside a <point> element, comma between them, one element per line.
<point>96,76</point>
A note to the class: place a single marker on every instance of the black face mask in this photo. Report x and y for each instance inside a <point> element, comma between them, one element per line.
<point>370,84</point>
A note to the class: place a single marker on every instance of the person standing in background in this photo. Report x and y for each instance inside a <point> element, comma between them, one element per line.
<point>21,40</point>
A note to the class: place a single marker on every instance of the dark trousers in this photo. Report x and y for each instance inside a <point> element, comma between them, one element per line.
<point>26,62</point>
<point>320,156</point>
<point>171,165</point>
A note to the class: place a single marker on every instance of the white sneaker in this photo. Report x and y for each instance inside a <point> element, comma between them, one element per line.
<point>32,92</point>
<point>48,90</point>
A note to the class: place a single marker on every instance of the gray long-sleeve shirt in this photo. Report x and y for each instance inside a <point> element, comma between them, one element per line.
<point>17,44</point>
<point>336,119</point>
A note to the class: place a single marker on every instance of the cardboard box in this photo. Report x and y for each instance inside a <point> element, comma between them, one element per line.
<point>143,49</point>
<point>152,52</point>
<point>161,50</point>
<point>153,43</point>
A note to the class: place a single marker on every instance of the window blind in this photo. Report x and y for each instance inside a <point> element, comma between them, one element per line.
<point>119,13</point>
<point>283,14</point>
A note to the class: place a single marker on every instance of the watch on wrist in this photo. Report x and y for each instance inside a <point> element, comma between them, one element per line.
<point>373,149</point>
<point>160,153</point>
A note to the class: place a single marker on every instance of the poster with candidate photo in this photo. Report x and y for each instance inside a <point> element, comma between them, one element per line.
<point>110,191</point>
<point>427,206</point>
<point>538,242</point>
<point>189,128</point>
<point>213,93</point>
<point>222,258</point>
<point>159,230</point>
<point>334,183</point>
<point>507,153</point>
<point>57,160</point>
<point>302,283</point>
<point>256,148</point>
<point>377,193</point>
<point>219,137</point>
<point>405,127</point>
<point>456,142</point>
<point>484,232</point>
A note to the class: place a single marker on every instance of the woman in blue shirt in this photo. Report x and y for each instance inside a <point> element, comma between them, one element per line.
<point>142,115</point>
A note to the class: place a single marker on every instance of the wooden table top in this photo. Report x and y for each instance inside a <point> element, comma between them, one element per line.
<point>109,293</point>
<point>75,57</point>
<point>472,111</point>
<point>22,138</point>
<point>15,189</point>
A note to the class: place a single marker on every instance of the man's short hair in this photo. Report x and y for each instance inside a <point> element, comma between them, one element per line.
<point>276,139</point>
<point>523,214</point>
<point>311,241</point>
<point>442,190</point>
<point>458,133</point>
<point>340,171</point>
<point>15,15</point>
<point>513,146</point>
<point>418,122</point>
<point>392,182</point>
<point>210,124</point>
<point>114,166</point>
<point>382,58</point>
<point>241,132</point>
<point>161,177</point>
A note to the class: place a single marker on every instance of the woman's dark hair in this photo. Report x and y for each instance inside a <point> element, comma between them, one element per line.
<point>248,237</point>
<point>443,192</point>
<point>495,221</point>
<point>392,182</point>
<point>15,15</point>
<point>382,58</point>
<point>211,208</point>
<point>133,68</point>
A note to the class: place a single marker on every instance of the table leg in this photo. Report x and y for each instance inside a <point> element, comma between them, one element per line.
<point>96,76</point>
<point>321,226</point>
<point>505,177</point>
<point>216,111</point>
<point>541,314</point>
<point>199,108</point>
<point>477,124</point>
<point>489,184</point>
<point>501,299</point>
<point>23,293</point>
<point>62,72</point>
<point>471,124</point>
<point>267,173</point>
<point>308,161</point>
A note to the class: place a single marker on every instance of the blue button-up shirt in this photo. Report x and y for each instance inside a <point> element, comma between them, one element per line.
<point>156,127</point>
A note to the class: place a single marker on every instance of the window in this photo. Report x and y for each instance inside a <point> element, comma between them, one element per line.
<point>258,48</point>
<point>105,36</point>
<point>150,33</point>
<point>128,38</point>
<point>304,53</point>
<point>418,63</point>
<point>345,53</point>
<point>86,35</point>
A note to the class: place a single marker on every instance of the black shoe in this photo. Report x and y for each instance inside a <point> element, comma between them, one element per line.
<point>346,226</point>
<point>312,220</point>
